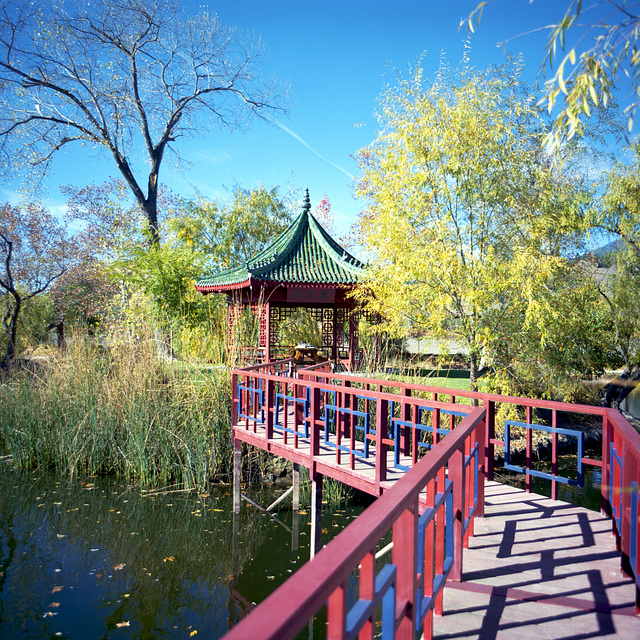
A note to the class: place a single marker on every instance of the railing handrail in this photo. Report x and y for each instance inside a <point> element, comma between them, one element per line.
<point>307,590</point>
<point>474,395</point>
<point>354,391</point>
<point>262,365</point>
<point>625,430</point>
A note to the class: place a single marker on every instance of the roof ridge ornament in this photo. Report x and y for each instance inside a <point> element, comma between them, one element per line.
<point>306,205</point>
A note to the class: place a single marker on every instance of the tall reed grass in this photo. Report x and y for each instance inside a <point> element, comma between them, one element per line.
<point>120,410</point>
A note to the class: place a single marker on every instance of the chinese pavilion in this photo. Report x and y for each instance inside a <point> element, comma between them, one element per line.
<point>303,270</point>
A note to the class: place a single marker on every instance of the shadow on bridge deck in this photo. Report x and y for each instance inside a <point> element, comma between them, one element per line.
<point>538,568</point>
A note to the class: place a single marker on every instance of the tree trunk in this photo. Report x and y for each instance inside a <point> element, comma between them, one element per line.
<point>151,210</point>
<point>11,329</point>
<point>473,374</point>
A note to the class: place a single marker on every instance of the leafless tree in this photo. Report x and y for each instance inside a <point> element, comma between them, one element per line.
<point>130,77</point>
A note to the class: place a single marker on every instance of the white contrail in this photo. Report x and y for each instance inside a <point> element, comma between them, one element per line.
<point>293,134</point>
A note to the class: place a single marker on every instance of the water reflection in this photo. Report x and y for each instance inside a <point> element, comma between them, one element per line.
<point>79,560</point>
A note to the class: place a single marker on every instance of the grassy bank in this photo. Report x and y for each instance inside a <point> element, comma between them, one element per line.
<point>91,411</point>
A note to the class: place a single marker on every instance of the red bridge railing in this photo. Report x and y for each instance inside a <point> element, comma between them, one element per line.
<point>409,589</point>
<point>295,417</point>
<point>429,511</point>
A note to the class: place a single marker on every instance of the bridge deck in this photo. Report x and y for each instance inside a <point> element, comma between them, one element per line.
<point>362,475</point>
<point>538,568</point>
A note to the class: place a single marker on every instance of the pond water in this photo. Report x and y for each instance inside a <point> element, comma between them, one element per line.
<point>101,559</point>
<point>98,559</point>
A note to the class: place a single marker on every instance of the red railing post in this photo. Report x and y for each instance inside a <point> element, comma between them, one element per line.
<point>405,548</point>
<point>529,460</point>
<point>367,590</point>
<point>382,415</point>
<point>627,477</point>
<point>554,453</point>
<point>456,475</point>
<point>314,427</point>
<point>269,408</point>
<point>439,540</point>
<point>481,434</point>
<point>337,614</point>
<point>235,399</point>
<point>405,438</point>
<point>490,434</point>
<point>469,489</point>
<point>605,482</point>
<point>432,557</point>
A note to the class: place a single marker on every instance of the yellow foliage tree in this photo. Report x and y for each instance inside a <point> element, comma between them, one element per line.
<point>464,218</point>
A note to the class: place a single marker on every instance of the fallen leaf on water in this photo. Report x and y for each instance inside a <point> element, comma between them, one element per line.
<point>61,535</point>
<point>168,559</point>
<point>56,589</point>
<point>270,577</point>
<point>127,623</point>
<point>54,605</point>
<point>219,510</point>
<point>193,633</point>
<point>119,567</point>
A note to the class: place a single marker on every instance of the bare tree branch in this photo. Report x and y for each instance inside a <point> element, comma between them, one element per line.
<point>129,76</point>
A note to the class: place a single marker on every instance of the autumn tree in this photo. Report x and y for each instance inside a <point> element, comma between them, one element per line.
<point>323,214</point>
<point>230,232</point>
<point>464,209</point>
<point>34,251</point>
<point>615,215</point>
<point>128,77</point>
<point>112,226</point>
<point>591,48</point>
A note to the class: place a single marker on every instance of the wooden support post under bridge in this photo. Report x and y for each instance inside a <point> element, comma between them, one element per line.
<point>237,474</point>
<point>316,513</point>
<point>294,489</point>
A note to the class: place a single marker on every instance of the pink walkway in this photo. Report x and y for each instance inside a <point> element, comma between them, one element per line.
<point>539,568</point>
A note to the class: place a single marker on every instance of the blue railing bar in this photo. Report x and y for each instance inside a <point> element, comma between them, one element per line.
<point>428,602</point>
<point>282,396</point>
<point>449,521</point>
<point>616,509</point>
<point>388,626</point>
<point>579,482</point>
<point>362,610</point>
<point>418,425</point>
<point>544,475</point>
<point>544,427</point>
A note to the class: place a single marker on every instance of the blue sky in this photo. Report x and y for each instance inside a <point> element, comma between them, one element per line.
<point>336,57</point>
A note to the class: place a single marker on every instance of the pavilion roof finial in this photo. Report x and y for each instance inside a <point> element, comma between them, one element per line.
<point>306,205</point>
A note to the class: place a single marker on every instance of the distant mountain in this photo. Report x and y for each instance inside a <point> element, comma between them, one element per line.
<point>603,254</point>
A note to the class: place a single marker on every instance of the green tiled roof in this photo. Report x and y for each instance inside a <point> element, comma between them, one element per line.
<point>304,254</point>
